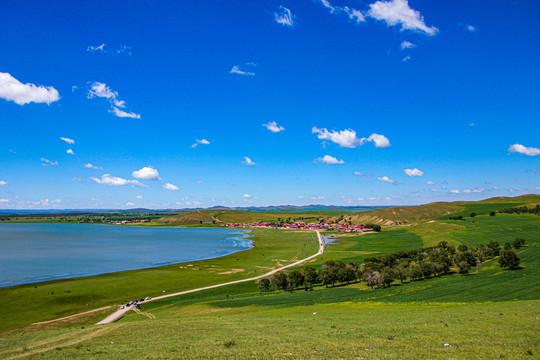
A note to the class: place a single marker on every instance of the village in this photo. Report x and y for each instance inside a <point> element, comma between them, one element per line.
<point>326,226</point>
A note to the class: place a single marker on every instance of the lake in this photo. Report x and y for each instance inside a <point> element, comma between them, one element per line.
<point>40,252</point>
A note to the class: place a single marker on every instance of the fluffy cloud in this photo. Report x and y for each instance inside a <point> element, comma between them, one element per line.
<point>248,161</point>
<point>170,186</point>
<point>2,183</point>
<point>90,166</point>
<point>139,197</point>
<point>146,173</point>
<point>12,89</point>
<point>247,196</point>
<point>327,159</point>
<point>529,151</point>
<point>101,90</point>
<point>396,12</point>
<point>430,182</point>
<point>46,162</point>
<point>202,142</point>
<point>347,138</point>
<point>236,70</point>
<point>413,172</point>
<point>406,58</point>
<point>129,204</point>
<point>407,45</point>
<point>284,17</point>
<point>110,180</point>
<point>380,141</point>
<point>101,49</point>
<point>4,201</point>
<point>386,179</point>
<point>273,127</point>
<point>124,114</point>
<point>68,140</point>
<point>468,191</point>
<point>470,28</point>
<point>70,152</point>
<point>344,138</point>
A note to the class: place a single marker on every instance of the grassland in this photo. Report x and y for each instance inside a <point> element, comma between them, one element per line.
<point>491,313</point>
<point>26,304</point>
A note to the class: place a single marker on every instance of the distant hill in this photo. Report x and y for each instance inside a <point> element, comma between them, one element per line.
<point>383,216</point>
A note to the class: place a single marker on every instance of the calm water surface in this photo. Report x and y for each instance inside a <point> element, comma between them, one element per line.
<point>40,252</point>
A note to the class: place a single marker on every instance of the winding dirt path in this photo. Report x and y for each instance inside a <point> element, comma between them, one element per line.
<point>120,312</point>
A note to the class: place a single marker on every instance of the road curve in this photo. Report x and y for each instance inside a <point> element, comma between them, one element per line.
<point>120,312</point>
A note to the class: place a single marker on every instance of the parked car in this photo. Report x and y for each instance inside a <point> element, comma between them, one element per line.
<point>148,298</point>
<point>122,307</point>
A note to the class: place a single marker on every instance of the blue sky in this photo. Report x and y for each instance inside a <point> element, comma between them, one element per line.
<point>202,103</point>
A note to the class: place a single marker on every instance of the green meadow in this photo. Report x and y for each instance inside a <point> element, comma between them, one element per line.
<point>489,314</point>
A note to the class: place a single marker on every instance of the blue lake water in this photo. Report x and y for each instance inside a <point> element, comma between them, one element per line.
<point>40,252</point>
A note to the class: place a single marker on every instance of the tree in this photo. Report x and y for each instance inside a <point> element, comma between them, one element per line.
<point>517,243</point>
<point>264,284</point>
<point>492,213</point>
<point>509,259</point>
<point>389,275</point>
<point>473,214</point>
<point>507,246</point>
<point>282,280</point>
<point>297,278</point>
<point>401,271</point>
<point>374,278</point>
<point>414,272</point>
<point>310,276</point>
<point>494,245</point>
<point>464,267</point>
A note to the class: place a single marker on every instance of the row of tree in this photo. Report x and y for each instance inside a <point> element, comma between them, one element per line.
<point>522,210</point>
<point>381,271</point>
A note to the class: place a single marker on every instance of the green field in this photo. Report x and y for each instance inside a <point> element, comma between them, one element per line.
<point>488,314</point>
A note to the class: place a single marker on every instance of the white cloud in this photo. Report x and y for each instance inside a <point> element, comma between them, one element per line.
<point>407,45</point>
<point>12,89</point>
<point>90,166</point>
<point>110,180</point>
<point>236,70</point>
<point>413,172</point>
<point>430,182</point>
<point>101,90</point>
<point>129,204</point>
<point>70,152</point>
<point>327,159</point>
<point>4,201</point>
<point>353,14</point>
<point>170,186</point>
<point>273,127</point>
<point>470,28</point>
<point>247,196</point>
<point>396,12</point>
<point>202,142</point>
<point>284,17</point>
<point>248,161</point>
<point>46,162</point>
<point>146,173</point>
<point>468,191</point>
<point>380,141</point>
<point>455,191</point>
<point>365,175</point>
<point>68,140</point>
<point>139,197</point>
<point>100,48</point>
<point>198,181</point>
<point>123,114</point>
<point>344,138</point>
<point>433,190</point>
<point>2,183</point>
<point>529,151</point>
<point>386,179</point>
<point>406,58</point>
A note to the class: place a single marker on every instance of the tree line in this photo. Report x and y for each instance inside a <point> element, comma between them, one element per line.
<point>412,265</point>
<point>522,210</point>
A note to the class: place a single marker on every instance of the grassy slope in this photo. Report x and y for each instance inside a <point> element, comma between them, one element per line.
<point>25,304</point>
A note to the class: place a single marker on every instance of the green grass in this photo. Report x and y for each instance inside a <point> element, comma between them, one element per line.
<point>25,304</point>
